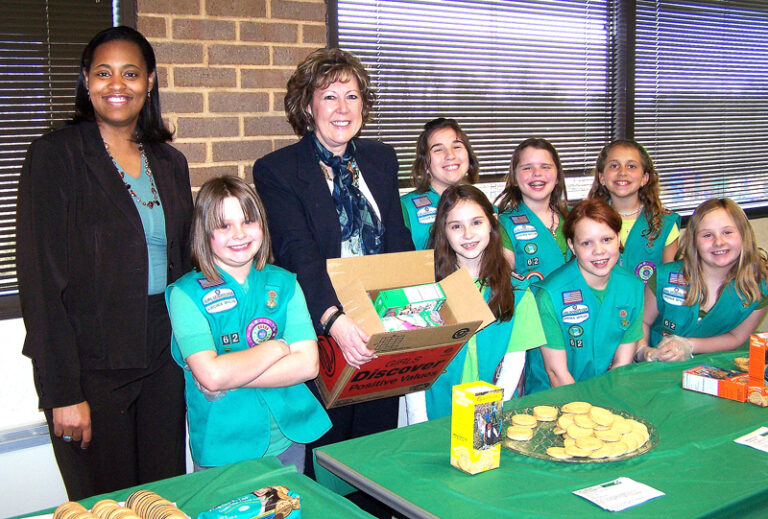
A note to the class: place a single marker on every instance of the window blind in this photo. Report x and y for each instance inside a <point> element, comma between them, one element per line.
<point>40,47</point>
<point>506,70</point>
<point>701,98</point>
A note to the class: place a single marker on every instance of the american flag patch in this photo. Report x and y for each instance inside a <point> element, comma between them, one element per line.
<point>520,219</point>
<point>205,283</point>
<point>421,201</point>
<point>572,297</point>
<point>676,278</point>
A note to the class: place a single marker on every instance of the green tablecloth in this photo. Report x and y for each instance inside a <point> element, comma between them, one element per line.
<point>696,463</point>
<point>195,493</point>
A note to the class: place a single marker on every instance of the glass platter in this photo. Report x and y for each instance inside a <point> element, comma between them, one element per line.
<point>544,437</point>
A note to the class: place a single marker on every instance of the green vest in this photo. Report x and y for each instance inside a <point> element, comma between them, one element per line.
<point>237,426</point>
<point>675,318</point>
<point>536,251</point>
<point>592,331</point>
<point>642,256</point>
<point>421,209</point>
<point>491,346</point>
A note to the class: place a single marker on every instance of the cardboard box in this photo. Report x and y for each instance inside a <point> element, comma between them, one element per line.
<point>409,300</point>
<point>758,358</point>
<point>408,360</point>
<point>476,426</point>
<point>716,381</point>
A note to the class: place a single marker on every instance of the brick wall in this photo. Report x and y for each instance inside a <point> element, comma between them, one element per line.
<point>222,67</point>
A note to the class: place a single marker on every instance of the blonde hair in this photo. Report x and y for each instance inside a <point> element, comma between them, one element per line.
<point>207,217</point>
<point>648,194</point>
<point>747,273</point>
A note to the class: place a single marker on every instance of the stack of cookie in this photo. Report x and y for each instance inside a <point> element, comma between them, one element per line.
<point>72,510</point>
<point>149,505</point>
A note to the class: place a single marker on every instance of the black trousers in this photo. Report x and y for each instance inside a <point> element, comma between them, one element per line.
<point>137,421</point>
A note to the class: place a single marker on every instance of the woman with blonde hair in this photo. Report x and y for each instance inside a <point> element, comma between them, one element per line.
<point>714,296</point>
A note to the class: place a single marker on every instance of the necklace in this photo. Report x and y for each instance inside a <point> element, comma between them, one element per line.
<point>631,213</point>
<point>553,227</point>
<point>155,201</point>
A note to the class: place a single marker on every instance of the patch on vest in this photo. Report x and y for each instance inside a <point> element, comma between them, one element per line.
<point>571,297</point>
<point>520,219</point>
<point>674,295</point>
<point>575,314</point>
<point>534,276</point>
<point>426,215</point>
<point>219,300</point>
<point>525,232</point>
<point>645,270</point>
<point>260,330</point>
<point>206,283</point>
<point>530,248</point>
<point>421,201</point>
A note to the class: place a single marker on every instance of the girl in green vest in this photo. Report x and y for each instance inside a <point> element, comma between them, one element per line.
<point>714,296</point>
<point>444,158</point>
<point>468,235</point>
<point>532,209</point>
<point>243,335</point>
<point>591,309</point>
<point>626,178</point>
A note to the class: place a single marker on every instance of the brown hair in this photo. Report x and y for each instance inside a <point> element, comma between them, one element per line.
<point>594,209</point>
<point>317,71</point>
<point>420,176</point>
<point>648,194</point>
<point>207,217</point>
<point>495,272</point>
<point>747,272</point>
<point>511,196</point>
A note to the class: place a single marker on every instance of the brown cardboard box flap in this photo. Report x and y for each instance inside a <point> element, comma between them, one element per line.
<point>471,305</point>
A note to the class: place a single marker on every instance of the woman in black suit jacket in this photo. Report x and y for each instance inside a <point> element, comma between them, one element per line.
<point>309,190</point>
<point>92,288</point>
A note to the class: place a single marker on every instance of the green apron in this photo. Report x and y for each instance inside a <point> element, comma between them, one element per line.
<point>592,331</point>
<point>237,426</point>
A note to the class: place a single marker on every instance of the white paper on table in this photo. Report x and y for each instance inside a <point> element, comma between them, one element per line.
<point>756,439</point>
<point>619,494</point>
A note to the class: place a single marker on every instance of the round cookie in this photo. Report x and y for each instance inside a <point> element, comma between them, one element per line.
<point>589,443</point>
<point>574,431</point>
<point>525,420</point>
<point>545,413</point>
<point>519,433</point>
<point>565,420</point>
<point>601,416</point>
<point>577,407</point>
<point>584,420</point>
<point>577,452</point>
<point>558,452</point>
<point>601,453</point>
<point>608,435</point>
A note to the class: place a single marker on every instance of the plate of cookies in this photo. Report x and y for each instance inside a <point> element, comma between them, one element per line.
<point>577,432</point>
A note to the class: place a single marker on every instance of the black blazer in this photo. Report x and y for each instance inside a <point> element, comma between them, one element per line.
<point>82,257</point>
<point>302,218</point>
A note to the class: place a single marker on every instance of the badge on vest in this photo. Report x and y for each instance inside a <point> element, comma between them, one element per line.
<point>520,219</point>
<point>525,232</point>
<point>572,297</point>
<point>677,278</point>
<point>645,270</point>
<point>260,330</point>
<point>530,248</point>
<point>228,339</point>
<point>271,299</point>
<point>421,201</point>
<point>206,283</point>
<point>426,215</point>
<point>219,300</point>
<point>623,318</point>
<point>674,295</point>
<point>534,276</point>
<point>575,314</point>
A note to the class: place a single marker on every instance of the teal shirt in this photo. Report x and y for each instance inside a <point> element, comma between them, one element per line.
<point>238,321</point>
<point>642,256</point>
<point>588,329</point>
<point>153,221</point>
<point>537,253</point>
<point>419,211</point>
<point>522,332</point>
<point>675,318</point>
